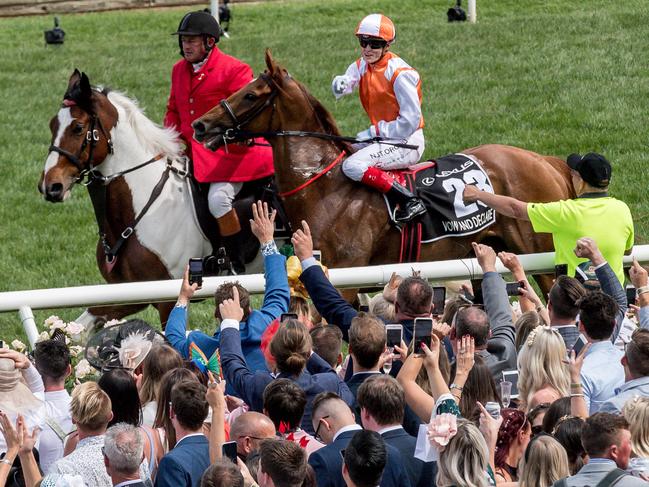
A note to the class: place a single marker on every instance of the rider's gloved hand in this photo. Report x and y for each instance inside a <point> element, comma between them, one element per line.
<point>364,135</point>
<point>340,86</point>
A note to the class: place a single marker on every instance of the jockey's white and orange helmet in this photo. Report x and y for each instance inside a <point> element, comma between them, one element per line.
<point>377,26</point>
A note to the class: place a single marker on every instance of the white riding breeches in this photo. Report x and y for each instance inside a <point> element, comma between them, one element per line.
<point>383,156</point>
<point>221,196</point>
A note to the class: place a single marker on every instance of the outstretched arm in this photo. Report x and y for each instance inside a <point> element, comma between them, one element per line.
<point>504,205</point>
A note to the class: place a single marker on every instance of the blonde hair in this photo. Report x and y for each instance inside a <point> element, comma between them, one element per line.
<point>636,412</point>
<point>544,463</point>
<point>90,407</point>
<point>541,364</point>
<point>464,460</point>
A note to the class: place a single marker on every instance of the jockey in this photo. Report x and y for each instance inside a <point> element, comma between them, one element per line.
<point>199,81</point>
<point>390,91</point>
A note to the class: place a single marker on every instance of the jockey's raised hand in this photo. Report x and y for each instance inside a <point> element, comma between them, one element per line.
<point>303,242</point>
<point>262,224</point>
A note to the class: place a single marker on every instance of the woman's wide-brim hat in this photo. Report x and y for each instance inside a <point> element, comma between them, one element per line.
<point>125,345</point>
<point>15,396</point>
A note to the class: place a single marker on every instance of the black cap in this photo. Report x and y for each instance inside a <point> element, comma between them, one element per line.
<point>592,167</point>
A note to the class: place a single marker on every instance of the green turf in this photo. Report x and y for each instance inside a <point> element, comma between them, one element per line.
<point>548,75</point>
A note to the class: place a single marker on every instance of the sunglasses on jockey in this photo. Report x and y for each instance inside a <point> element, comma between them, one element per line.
<point>372,42</point>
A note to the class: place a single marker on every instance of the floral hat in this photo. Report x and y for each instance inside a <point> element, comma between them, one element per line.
<point>125,345</point>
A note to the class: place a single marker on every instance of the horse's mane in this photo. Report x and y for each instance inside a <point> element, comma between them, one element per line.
<point>152,136</point>
<point>324,117</point>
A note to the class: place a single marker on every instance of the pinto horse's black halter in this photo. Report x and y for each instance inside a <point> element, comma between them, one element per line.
<point>92,137</point>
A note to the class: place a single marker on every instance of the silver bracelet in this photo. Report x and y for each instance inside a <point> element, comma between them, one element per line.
<point>8,462</point>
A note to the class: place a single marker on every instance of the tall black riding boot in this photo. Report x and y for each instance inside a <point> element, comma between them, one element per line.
<point>410,206</point>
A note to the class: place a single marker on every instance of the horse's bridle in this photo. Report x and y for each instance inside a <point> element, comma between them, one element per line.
<point>92,137</point>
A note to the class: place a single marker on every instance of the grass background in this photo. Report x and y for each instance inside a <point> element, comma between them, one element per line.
<point>548,75</point>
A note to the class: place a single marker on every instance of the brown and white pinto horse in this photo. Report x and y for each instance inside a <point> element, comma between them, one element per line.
<point>349,223</point>
<point>132,159</point>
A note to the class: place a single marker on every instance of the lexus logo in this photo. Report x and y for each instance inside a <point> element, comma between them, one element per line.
<point>428,181</point>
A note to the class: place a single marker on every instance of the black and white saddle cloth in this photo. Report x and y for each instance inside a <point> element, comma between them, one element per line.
<point>440,185</point>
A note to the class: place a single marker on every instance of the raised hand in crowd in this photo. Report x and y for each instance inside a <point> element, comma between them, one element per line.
<point>230,309</point>
<point>20,359</point>
<point>262,224</point>
<point>442,330</point>
<point>528,298</point>
<point>586,248</point>
<point>640,280</point>
<point>401,351</point>
<point>216,399</point>
<point>390,289</point>
<point>303,242</point>
<point>438,385</point>
<point>638,275</point>
<point>465,360</point>
<point>489,427</point>
<point>577,402</point>
<point>187,290</point>
<point>486,256</point>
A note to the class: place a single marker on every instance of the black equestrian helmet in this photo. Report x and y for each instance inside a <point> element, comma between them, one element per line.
<point>198,23</point>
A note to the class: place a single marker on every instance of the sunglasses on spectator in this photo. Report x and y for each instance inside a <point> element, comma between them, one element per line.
<point>373,43</point>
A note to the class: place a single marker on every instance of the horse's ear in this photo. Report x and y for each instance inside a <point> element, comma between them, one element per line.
<point>85,93</point>
<point>74,80</point>
<point>270,63</point>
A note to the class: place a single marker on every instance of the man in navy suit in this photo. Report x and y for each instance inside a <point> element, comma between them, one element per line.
<point>184,465</point>
<point>382,401</point>
<point>333,422</point>
<point>123,453</point>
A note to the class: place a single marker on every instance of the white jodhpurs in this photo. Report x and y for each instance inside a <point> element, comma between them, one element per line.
<point>384,157</point>
<point>221,196</point>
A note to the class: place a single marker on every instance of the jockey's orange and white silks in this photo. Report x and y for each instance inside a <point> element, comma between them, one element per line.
<point>390,91</point>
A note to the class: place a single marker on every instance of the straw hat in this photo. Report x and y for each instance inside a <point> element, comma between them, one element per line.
<point>15,396</point>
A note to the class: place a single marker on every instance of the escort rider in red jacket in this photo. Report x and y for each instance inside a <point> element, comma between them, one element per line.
<point>199,81</point>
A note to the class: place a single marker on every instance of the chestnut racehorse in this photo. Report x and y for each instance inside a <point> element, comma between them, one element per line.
<point>349,223</point>
<point>137,180</point>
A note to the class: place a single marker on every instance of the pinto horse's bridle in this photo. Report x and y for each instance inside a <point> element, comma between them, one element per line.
<point>92,137</point>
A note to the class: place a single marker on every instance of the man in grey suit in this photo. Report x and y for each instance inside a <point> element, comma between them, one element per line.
<point>607,441</point>
<point>493,330</point>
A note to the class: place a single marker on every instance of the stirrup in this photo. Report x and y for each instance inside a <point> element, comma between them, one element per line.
<point>411,210</point>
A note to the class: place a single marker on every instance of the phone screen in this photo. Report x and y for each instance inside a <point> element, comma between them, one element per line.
<point>630,295</point>
<point>423,330</point>
<point>579,344</point>
<point>363,308</point>
<point>196,271</point>
<point>439,300</point>
<point>318,255</point>
<point>229,450</point>
<point>2,344</point>
<point>477,295</point>
<point>393,335</point>
<point>287,316</point>
<point>512,376</point>
<point>513,288</point>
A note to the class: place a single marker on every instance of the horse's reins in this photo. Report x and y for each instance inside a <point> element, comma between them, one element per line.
<point>236,132</point>
<point>96,183</point>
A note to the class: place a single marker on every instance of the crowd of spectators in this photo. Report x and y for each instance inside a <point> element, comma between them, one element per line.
<point>509,391</point>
